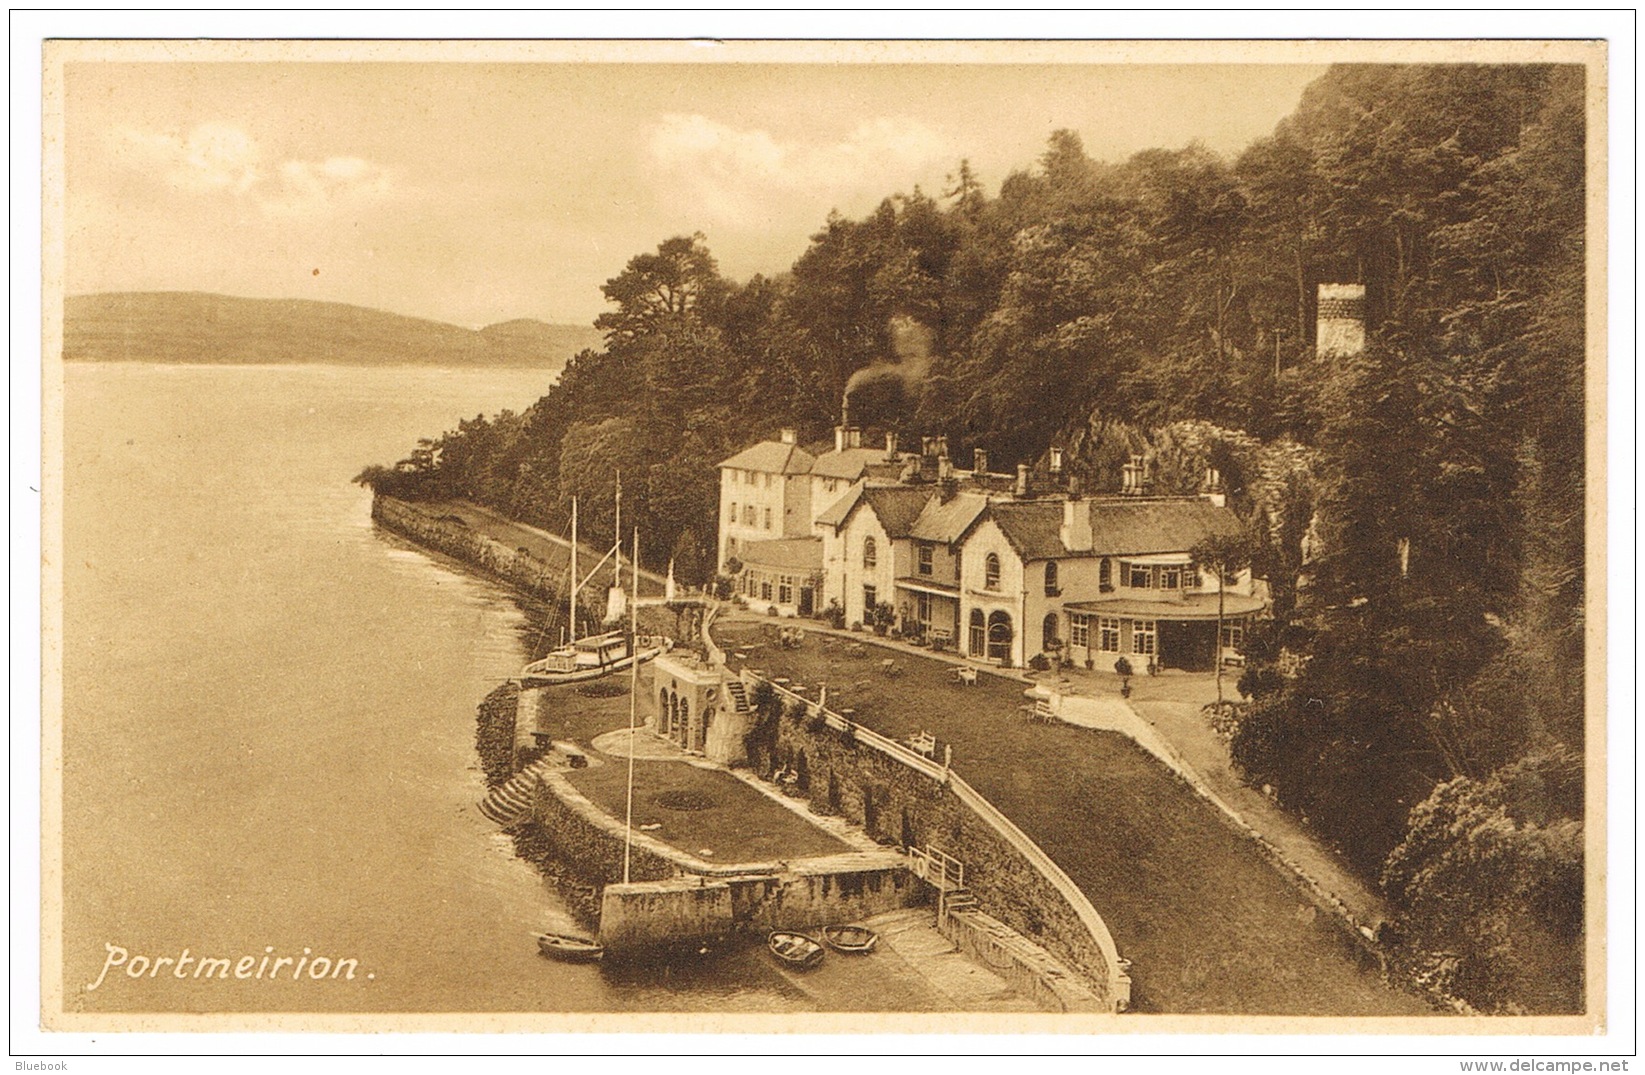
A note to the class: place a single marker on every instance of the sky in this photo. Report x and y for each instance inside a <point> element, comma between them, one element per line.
<point>481,192</point>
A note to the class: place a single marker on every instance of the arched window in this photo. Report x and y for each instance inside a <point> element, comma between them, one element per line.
<point>979,634</point>
<point>999,637</point>
<point>1048,632</point>
<point>870,555</point>
<point>1105,575</point>
<point>1051,589</point>
<point>991,572</point>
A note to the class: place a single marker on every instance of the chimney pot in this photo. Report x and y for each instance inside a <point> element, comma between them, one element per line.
<point>787,436</point>
<point>979,460</point>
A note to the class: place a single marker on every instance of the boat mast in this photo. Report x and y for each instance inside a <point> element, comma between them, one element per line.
<point>617,529</point>
<point>571,628</point>
<point>633,698</point>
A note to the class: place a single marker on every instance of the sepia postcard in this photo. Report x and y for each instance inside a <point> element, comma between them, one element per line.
<point>1037,537</point>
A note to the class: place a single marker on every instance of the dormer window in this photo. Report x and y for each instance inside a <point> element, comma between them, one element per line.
<point>1051,587</point>
<point>991,572</point>
<point>870,554</point>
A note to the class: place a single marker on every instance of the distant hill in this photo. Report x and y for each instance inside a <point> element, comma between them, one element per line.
<point>194,327</point>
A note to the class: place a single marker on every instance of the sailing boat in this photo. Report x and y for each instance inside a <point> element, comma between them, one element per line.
<point>598,655</point>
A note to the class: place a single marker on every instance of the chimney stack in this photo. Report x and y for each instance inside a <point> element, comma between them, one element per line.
<point>890,446</point>
<point>1340,321</point>
<point>839,438</point>
<point>787,436</point>
<point>942,446</point>
<point>1022,480</point>
<point>1135,477</point>
<point>979,460</point>
<point>1076,525</point>
<point>1213,487</point>
<point>853,437</point>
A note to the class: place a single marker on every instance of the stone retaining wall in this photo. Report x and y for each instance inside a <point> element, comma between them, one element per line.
<point>904,804</point>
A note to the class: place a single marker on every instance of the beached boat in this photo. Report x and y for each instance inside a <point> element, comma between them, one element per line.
<point>568,949</point>
<point>593,657</point>
<point>853,939</point>
<point>596,655</point>
<point>795,949</point>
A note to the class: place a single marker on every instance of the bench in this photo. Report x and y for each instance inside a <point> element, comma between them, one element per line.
<point>1040,712</point>
<point>889,667</point>
<point>967,676</point>
<point>924,743</point>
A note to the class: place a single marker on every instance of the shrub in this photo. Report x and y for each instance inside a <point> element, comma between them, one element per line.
<point>802,772</point>
<point>1039,663</point>
<point>833,792</point>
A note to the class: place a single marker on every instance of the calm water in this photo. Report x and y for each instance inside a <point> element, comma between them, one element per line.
<point>269,710</point>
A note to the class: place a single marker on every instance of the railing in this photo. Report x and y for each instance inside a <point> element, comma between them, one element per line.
<point>1119,982</point>
<point>936,866</point>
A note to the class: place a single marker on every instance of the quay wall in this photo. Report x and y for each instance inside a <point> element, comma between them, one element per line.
<point>643,916</point>
<point>514,566</point>
<point>1028,968</point>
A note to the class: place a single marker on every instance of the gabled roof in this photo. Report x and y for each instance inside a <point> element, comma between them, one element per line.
<point>946,521</point>
<point>1119,525</point>
<point>853,463</point>
<point>772,457</point>
<point>897,506</point>
<point>836,513</point>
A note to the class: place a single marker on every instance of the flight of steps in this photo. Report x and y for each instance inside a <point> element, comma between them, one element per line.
<point>738,694</point>
<point>510,803</point>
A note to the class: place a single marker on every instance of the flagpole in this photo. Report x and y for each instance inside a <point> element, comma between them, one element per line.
<point>633,697</point>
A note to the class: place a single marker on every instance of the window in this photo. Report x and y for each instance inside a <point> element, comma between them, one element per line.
<point>1079,632</point>
<point>1051,589</point>
<point>768,518</point>
<point>922,607</point>
<point>1233,635</point>
<point>927,558</point>
<point>991,572</point>
<point>1191,579</point>
<point>1139,577</point>
<point>748,515</point>
<point>979,634</point>
<point>1170,578</point>
<point>733,513</point>
<point>768,481</point>
<point>870,601</point>
<point>1108,634</point>
<point>870,554</point>
<point>1143,638</point>
<point>1105,575</point>
<point>1048,632</point>
<point>765,589</point>
<point>785,590</point>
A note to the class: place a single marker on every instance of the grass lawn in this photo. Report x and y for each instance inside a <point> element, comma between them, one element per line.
<point>713,810</point>
<point>1209,924</point>
<point>705,810</point>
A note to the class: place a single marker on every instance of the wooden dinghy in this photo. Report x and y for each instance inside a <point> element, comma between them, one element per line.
<point>853,939</point>
<point>794,949</point>
<point>568,949</point>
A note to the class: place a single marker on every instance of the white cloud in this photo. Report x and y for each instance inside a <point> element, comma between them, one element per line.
<point>223,160</point>
<point>730,171</point>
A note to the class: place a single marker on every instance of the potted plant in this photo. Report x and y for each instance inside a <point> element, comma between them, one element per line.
<point>1122,668</point>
